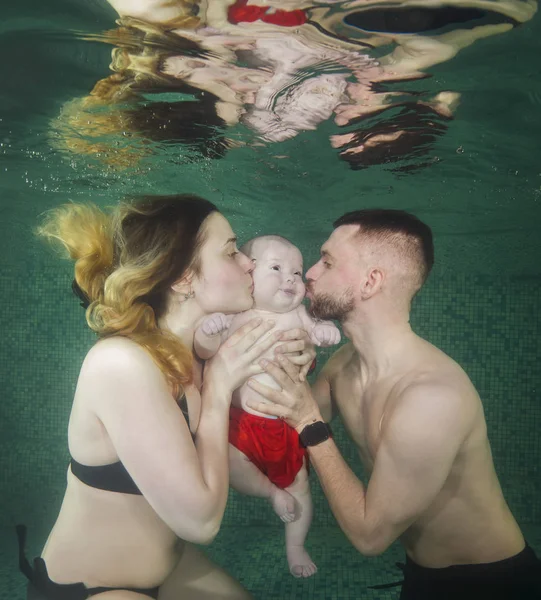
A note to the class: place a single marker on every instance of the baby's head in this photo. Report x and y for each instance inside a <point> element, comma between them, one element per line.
<point>278,284</point>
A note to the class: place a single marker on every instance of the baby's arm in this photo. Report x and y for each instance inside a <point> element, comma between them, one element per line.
<point>210,334</point>
<point>322,333</point>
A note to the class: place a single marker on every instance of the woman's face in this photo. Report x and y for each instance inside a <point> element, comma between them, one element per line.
<point>225,282</point>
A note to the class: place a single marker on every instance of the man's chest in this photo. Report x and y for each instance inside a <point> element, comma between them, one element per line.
<point>363,413</point>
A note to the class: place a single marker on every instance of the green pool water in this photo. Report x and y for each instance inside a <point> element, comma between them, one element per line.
<point>481,194</point>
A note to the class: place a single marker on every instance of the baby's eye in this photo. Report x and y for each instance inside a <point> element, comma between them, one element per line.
<point>327,265</point>
<point>298,273</point>
<point>275,268</point>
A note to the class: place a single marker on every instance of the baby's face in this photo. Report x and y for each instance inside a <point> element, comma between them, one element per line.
<point>278,284</point>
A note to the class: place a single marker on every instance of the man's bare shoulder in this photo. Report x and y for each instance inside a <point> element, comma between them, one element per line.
<point>438,393</point>
<point>432,367</point>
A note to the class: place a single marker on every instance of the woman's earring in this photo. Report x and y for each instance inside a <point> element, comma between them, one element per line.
<point>190,294</point>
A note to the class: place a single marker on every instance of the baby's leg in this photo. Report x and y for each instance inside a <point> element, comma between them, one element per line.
<point>300,563</point>
<point>247,479</point>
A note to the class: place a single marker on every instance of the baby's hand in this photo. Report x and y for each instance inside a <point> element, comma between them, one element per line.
<point>215,324</point>
<point>325,334</point>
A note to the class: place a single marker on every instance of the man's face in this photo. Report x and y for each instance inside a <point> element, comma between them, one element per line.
<point>332,281</point>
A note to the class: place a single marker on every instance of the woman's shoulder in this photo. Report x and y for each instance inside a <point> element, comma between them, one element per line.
<point>117,375</point>
<point>120,354</point>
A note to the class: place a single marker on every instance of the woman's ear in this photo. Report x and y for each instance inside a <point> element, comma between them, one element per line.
<point>184,285</point>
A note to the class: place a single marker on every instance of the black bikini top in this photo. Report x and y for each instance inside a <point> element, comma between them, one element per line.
<point>114,477</point>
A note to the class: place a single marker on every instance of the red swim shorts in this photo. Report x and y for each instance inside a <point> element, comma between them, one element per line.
<point>272,445</point>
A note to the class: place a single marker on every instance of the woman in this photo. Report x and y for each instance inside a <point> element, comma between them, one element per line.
<point>148,439</point>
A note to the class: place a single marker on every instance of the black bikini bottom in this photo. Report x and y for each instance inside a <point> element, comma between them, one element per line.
<point>41,587</point>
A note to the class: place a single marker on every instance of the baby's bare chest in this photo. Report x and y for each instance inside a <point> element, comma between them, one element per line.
<point>283,321</point>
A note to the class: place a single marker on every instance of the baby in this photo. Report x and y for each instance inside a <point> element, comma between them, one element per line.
<point>266,458</point>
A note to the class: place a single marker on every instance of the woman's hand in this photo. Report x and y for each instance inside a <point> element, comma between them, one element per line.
<point>237,359</point>
<point>299,350</point>
<point>294,402</point>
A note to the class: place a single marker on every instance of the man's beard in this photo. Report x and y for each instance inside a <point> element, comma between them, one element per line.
<point>325,307</point>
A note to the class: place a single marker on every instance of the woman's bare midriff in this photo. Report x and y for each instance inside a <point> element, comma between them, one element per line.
<point>104,538</point>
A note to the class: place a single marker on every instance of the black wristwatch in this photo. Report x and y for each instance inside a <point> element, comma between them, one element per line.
<point>315,433</point>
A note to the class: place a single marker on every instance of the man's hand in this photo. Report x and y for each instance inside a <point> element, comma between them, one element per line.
<point>299,349</point>
<point>293,403</point>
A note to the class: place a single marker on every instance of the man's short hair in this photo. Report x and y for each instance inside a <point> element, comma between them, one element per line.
<point>396,228</point>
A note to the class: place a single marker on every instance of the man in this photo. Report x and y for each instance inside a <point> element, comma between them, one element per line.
<point>414,416</point>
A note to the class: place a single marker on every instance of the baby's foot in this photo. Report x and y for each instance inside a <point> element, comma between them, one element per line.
<point>283,504</point>
<point>300,563</point>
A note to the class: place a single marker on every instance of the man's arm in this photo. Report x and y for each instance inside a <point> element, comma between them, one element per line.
<point>322,393</point>
<point>418,447</point>
<point>322,387</point>
<point>420,440</point>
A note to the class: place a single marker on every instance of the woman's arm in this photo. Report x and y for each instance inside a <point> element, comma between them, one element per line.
<point>152,439</point>
<point>186,484</point>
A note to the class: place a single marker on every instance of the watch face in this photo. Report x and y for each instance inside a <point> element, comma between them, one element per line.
<point>315,433</point>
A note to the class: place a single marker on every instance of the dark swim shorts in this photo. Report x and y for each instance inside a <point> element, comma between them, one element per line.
<point>515,578</point>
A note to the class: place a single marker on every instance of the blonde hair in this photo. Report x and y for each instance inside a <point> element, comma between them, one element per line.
<point>118,105</point>
<point>125,263</point>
